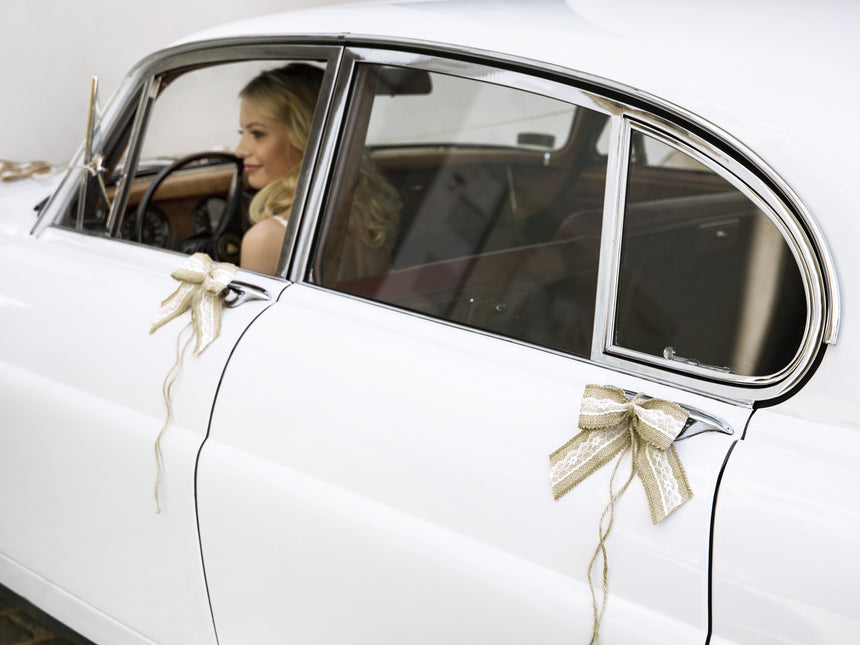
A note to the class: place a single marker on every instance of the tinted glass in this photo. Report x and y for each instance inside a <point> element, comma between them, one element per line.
<point>706,277</point>
<point>488,216</point>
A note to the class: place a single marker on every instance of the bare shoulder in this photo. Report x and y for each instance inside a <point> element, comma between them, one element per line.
<point>261,246</point>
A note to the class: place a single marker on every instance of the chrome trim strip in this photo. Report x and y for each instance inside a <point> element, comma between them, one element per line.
<point>610,237</point>
<point>315,200</point>
<point>309,162</point>
<point>791,230</point>
<point>640,105</point>
<point>141,118</point>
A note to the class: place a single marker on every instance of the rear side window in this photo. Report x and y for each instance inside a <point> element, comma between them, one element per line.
<point>706,277</point>
<point>488,216</point>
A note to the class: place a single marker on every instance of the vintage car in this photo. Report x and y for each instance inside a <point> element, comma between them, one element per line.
<point>657,197</point>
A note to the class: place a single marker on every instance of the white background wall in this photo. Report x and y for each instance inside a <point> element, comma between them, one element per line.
<point>50,49</point>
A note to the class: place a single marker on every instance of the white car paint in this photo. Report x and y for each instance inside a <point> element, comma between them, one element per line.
<point>373,476</point>
<point>422,515</point>
<point>80,532</point>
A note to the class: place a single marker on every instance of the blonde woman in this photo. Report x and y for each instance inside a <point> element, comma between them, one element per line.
<point>275,116</point>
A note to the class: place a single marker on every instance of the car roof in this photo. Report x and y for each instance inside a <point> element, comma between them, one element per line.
<point>772,73</point>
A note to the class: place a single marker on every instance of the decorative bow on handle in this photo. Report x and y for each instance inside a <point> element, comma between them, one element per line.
<point>201,283</point>
<point>611,423</point>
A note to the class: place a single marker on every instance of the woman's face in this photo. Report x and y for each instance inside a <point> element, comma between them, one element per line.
<point>264,147</point>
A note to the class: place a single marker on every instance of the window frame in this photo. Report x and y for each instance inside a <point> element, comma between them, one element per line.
<point>753,188</point>
<point>627,111</point>
<point>132,105</point>
<point>625,106</point>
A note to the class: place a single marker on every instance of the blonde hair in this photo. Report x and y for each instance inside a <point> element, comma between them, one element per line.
<point>375,207</point>
<point>287,94</point>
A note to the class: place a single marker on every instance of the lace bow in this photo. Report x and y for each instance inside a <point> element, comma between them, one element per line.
<point>611,422</point>
<point>201,282</point>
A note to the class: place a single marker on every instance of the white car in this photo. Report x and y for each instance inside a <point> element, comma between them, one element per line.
<point>658,197</point>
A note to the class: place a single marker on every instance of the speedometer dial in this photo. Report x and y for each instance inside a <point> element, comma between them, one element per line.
<point>156,228</point>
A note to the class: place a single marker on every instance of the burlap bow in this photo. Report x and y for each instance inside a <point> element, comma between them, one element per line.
<point>201,282</point>
<point>611,422</point>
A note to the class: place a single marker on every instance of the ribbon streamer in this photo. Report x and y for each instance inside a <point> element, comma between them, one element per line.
<point>201,283</point>
<point>612,423</point>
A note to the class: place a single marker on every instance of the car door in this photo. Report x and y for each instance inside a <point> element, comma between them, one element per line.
<point>90,393</point>
<point>378,454</point>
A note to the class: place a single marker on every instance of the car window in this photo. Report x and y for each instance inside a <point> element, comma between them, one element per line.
<point>198,111</point>
<point>486,218</point>
<point>706,278</point>
<point>194,119</point>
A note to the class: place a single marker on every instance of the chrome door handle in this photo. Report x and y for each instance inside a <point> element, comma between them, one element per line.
<point>237,293</point>
<point>697,421</point>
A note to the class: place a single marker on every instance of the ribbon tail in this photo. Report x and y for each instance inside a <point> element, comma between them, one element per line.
<point>206,315</point>
<point>664,480</point>
<point>174,305</point>
<point>584,454</point>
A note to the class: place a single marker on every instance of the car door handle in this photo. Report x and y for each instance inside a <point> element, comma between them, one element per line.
<point>237,293</point>
<point>697,421</point>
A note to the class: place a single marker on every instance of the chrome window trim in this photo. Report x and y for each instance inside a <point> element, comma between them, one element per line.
<point>610,234</point>
<point>732,388</point>
<point>294,244</point>
<point>619,94</point>
<point>146,74</point>
<point>764,199</point>
<point>149,91</point>
<point>601,94</point>
<point>300,264</point>
<point>263,46</point>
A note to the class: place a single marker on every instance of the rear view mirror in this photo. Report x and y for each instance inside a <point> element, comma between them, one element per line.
<point>402,81</point>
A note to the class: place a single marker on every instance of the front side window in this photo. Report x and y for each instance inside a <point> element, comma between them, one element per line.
<point>470,202</point>
<point>194,162</point>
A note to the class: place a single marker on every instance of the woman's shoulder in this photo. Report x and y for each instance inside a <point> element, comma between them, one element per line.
<point>261,245</point>
<point>268,226</point>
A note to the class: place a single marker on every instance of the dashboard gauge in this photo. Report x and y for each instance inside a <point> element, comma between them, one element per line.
<point>156,228</point>
<point>207,216</point>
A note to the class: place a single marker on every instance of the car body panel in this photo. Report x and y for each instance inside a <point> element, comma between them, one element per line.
<point>80,437</point>
<point>382,515</point>
<point>779,519</point>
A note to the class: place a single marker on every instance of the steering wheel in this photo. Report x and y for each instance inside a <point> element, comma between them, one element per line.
<point>222,244</point>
